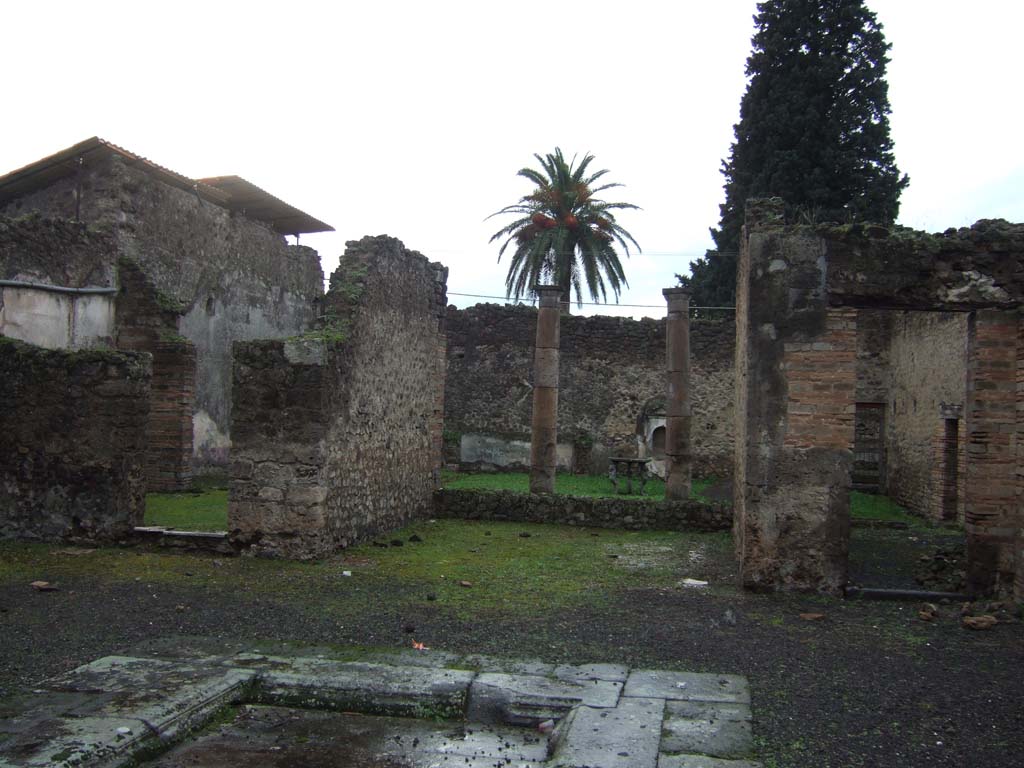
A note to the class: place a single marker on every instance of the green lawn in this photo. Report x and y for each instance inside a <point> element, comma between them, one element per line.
<point>206,510</point>
<point>596,486</point>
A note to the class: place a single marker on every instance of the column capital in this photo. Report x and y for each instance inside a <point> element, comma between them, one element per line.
<point>549,295</point>
<point>678,299</point>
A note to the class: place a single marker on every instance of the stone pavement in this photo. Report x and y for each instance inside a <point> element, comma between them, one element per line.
<point>119,709</point>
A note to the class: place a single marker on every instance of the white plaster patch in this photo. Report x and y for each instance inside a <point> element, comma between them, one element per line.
<point>777,265</point>
<point>977,286</point>
<point>207,437</point>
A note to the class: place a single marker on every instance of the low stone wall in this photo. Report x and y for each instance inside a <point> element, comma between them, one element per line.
<point>72,455</point>
<point>628,514</point>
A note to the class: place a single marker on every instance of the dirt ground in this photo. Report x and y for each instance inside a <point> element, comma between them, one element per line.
<point>869,684</point>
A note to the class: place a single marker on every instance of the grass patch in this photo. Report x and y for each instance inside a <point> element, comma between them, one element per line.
<point>871,506</point>
<point>206,510</point>
<point>554,567</point>
<point>593,486</point>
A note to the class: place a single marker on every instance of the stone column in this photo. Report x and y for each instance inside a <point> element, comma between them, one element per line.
<point>795,380</point>
<point>544,427</point>
<point>677,415</point>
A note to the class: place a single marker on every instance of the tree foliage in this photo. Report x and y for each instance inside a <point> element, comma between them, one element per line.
<point>563,234</point>
<point>813,129</point>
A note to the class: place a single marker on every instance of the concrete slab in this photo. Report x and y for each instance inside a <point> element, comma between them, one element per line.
<point>262,735</point>
<point>362,687</point>
<point>120,707</point>
<point>58,742</point>
<point>687,686</point>
<point>706,736</point>
<point>702,761</point>
<point>408,657</point>
<point>709,710</point>
<point>167,696</point>
<point>506,666</point>
<point>616,673</point>
<point>626,736</point>
<point>528,699</point>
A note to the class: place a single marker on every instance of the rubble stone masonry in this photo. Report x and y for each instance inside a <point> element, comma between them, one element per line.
<point>610,368</point>
<point>232,277</point>
<point>73,449</point>
<point>337,432</point>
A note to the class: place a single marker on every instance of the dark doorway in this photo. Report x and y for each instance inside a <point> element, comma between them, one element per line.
<point>869,447</point>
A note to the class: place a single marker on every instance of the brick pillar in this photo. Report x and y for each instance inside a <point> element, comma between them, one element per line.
<point>990,494</point>
<point>169,433</point>
<point>795,382</point>
<point>544,427</point>
<point>678,458</point>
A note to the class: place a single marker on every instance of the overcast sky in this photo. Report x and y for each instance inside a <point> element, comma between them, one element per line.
<point>411,119</point>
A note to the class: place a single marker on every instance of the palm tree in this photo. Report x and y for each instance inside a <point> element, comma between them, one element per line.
<point>563,235</point>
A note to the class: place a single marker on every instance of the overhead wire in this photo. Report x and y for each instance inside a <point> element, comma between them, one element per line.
<point>585,303</point>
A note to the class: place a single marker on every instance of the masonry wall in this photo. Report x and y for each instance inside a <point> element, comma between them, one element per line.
<point>610,368</point>
<point>927,367</point>
<point>338,433</point>
<point>629,514</point>
<point>231,277</point>
<point>73,449</point>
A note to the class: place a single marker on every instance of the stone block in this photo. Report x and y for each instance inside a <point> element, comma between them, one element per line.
<point>364,687</point>
<point>687,686</point>
<point>625,736</point>
<point>306,494</point>
<point>528,700</point>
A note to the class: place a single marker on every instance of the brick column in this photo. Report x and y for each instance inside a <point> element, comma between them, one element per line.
<point>544,426</point>
<point>678,459</point>
<point>990,493</point>
<point>795,382</point>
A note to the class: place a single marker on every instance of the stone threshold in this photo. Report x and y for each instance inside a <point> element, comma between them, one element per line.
<point>119,710</point>
<point>217,542</point>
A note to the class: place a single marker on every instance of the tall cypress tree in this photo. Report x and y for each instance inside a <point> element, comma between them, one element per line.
<point>813,129</point>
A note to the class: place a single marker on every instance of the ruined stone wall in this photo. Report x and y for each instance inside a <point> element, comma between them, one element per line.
<point>73,447</point>
<point>927,367</point>
<point>338,433</point>
<point>874,332</point>
<point>233,278</point>
<point>56,251</point>
<point>609,369</point>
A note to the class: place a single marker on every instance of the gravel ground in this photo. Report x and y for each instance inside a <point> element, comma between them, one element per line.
<point>869,684</point>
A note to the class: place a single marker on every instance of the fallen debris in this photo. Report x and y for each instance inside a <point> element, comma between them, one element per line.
<point>812,616</point>
<point>693,583</point>
<point>465,583</point>
<point>979,623</point>
<point>43,586</point>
